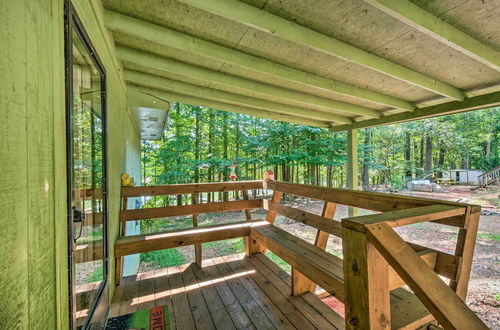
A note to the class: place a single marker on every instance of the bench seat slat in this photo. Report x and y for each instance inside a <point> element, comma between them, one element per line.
<point>323,268</point>
<point>159,241</point>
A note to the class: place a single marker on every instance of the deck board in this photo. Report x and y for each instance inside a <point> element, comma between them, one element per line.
<point>228,292</point>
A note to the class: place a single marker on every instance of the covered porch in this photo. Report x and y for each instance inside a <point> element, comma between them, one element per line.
<point>84,81</point>
<point>366,284</point>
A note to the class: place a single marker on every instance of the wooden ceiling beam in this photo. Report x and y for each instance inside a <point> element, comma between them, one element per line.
<point>161,83</point>
<point>170,38</point>
<point>427,23</point>
<point>260,19</point>
<point>176,97</point>
<point>473,103</point>
<point>164,64</point>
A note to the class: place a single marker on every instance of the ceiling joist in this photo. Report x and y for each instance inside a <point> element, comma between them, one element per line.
<point>164,64</point>
<point>473,103</point>
<point>176,97</point>
<point>427,23</point>
<point>161,83</point>
<point>170,38</point>
<point>260,19</point>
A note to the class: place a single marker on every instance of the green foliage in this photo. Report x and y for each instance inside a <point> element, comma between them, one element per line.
<point>493,237</point>
<point>278,261</point>
<point>96,276</point>
<point>164,258</point>
<point>496,297</point>
<point>200,143</point>
<point>226,247</point>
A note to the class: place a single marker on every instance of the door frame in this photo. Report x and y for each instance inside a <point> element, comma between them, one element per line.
<point>99,308</point>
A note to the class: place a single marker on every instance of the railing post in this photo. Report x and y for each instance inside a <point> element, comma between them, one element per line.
<point>119,260</point>
<point>352,165</point>
<point>197,247</point>
<point>248,217</point>
<point>466,242</point>
<point>366,276</point>
<point>254,246</point>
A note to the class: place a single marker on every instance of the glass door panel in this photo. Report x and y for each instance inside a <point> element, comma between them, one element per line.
<point>87,180</point>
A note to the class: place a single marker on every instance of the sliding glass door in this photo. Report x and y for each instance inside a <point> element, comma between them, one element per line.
<point>86,161</point>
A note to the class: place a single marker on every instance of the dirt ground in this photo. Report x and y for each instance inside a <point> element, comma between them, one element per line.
<point>484,287</point>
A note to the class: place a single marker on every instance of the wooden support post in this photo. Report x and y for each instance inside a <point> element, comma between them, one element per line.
<point>119,260</point>
<point>367,300</point>
<point>300,283</point>
<point>197,247</point>
<point>254,246</point>
<point>352,165</point>
<point>248,217</point>
<point>465,249</point>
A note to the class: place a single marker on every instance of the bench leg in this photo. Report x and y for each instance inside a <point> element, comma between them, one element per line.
<point>119,270</point>
<point>252,246</point>
<point>300,283</point>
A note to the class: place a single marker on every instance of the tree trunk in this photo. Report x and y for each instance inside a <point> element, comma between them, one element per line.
<point>365,178</point>
<point>177,135</point>
<point>408,155</point>
<point>442,152</point>
<point>225,144</point>
<point>211,127</point>
<point>428,154</point>
<point>421,156</point>
<point>197,146</point>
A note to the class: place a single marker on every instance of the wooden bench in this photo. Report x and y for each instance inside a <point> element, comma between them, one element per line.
<point>312,265</point>
<point>326,270</point>
<point>321,267</point>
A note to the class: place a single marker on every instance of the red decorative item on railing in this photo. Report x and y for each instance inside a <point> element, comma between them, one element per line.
<point>233,175</point>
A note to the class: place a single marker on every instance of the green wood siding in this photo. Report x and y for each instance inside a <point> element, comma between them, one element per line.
<point>33,264</point>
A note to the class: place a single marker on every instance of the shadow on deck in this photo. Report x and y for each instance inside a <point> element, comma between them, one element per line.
<point>228,292</point>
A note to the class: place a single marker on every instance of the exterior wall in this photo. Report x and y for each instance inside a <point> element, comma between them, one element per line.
<point>33,245</point>
<point>132,167</point>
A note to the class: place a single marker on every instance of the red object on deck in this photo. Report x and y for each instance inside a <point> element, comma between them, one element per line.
<point>335,304</point>
<point>157,318</point>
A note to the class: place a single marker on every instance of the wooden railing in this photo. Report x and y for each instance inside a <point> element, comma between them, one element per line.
<point>126,245</point>
<point>490,177</point>
<point>376,261</point>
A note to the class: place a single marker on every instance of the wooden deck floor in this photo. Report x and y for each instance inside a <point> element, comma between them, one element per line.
<point>227,293</point>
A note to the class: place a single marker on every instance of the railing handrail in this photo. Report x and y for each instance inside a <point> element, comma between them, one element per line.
<point>496,169</point>
<point>381,202</point>
<point>190,188</point>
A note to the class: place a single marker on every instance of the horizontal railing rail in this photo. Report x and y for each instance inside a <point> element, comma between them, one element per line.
<point>172,211</point>
<point>190,188</point>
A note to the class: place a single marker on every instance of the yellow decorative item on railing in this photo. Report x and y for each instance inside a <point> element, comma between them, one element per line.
<point>127,180</point>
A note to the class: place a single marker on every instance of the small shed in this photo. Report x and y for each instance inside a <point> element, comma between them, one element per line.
<point>463,176</point>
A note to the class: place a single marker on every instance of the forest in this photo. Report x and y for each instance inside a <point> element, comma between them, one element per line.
<point>200,144</point>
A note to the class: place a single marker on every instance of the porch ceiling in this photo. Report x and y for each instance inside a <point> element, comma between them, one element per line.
<point>338,64</point>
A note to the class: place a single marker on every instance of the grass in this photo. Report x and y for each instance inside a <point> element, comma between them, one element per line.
<point>278,261</point>
<point>164,258</point>
<point>494,237</point>
<point>96,276</point>
<point>226,247</point>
